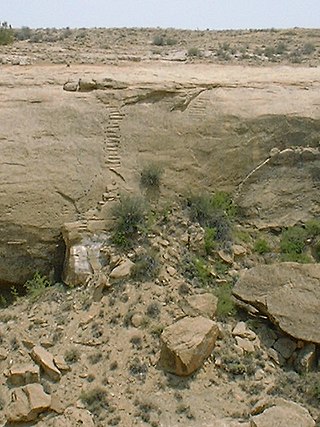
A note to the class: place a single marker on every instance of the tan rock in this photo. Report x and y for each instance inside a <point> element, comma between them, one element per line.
<point>288,293</point>
<point>241,330</point>
<point>123,270</point>
<point>306,359</point>
<point>284,414</point>
<point>245,344</point>
<point>46,361</point>
<point>27,403</point>
<point>203,304</point>
<point>61,364</point>
<point>24,374</point>
<point>225,257</point>
<point>186,344</point>
<point>238,250</point>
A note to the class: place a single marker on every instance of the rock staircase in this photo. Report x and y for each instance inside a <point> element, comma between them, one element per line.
<point>112,137</point>
<point>197,108</point>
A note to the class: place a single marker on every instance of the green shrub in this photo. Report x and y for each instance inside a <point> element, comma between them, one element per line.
<point>214,211</point>
<point>312,228</point>
<point>72,355</point>
<point>23,33</point>
<point>308,48</point>
<point>226,306</point>
<point>197,271</point>
<point>130,215</point>
<point>293,240</point>
<point>6,34</point>
<point>95,400</point>
<point>146,266</point>
<point>209,240</point>
<point>151,176</point>
<point>158,41</point>
<point>261,246</point>
<point>194,52</point>
<point>36,286</point>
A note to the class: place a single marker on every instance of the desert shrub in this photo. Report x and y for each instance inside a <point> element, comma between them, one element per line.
<point>269,51</point>
<point>281,48</point>
<point>197,271</point>
<point>23,33</point>
<point>261,246</point>
<point>293,240</point>
<point>153,310</point>
<point>209,240</point>
<point>36,286</point>
<point>130,220</point>
<point>6,34</point>
<point>95,358</point>
<point>226,306</point>
<point>171,41</point>
<point>312,228</point>
<point>151,176</point>
<point>95,400</point>
<point>146,266</point>
<point>308,48</point>
<point>194,52</point>
<point>214,211</point>
<point>72,355</point>
<point>296,56</point>
<point>158,41</point>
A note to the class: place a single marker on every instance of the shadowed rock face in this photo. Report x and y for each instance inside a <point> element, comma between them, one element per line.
<point>288,294</point>
<point>60,149</point>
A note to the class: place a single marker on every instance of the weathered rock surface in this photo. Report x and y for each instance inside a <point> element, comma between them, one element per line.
<point>24,374</point>
<point>186,344</point>
<point>283,414</point>
<point>46,361</point>
<point>203,304</point>
<point>27,403</point>
<point>72,417</point>
<point>123,270</point>
<point>66,147</point>
<point>288,293</point>
<point>283,190</point>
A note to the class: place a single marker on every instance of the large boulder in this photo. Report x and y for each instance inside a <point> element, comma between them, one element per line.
<point>186,344</point>
<point>288,294</point>
<point>283,414</point>
<point>27,403</point>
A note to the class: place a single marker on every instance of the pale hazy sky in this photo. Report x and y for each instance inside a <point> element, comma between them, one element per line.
<point>202,14</point>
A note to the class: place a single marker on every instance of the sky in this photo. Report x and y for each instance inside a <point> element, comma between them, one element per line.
<point>189,14</point>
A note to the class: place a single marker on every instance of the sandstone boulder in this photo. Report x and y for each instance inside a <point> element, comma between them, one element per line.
<point>203,304</point>
<point>45,359</point>
<point>186,344</point>
<point>283,414</point>
<point>27,403</point>
<point>24,374</point>
<point>123,270</point>
<point>288,294</point>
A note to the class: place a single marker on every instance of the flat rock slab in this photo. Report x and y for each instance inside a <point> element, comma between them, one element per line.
<point>45,359</point>
<point>288,294</point>
<point>27,403</point>
<point>284,414</point>
<point>186,344</point>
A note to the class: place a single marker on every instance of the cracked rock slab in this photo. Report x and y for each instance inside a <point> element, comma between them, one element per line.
<point>288,294</point>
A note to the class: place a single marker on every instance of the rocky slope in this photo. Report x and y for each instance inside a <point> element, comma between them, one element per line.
<point>112,345</point>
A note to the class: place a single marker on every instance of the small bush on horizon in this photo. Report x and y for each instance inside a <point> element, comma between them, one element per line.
<point>36,286</point>
<point>6,34</point>
<point>194,52</point>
